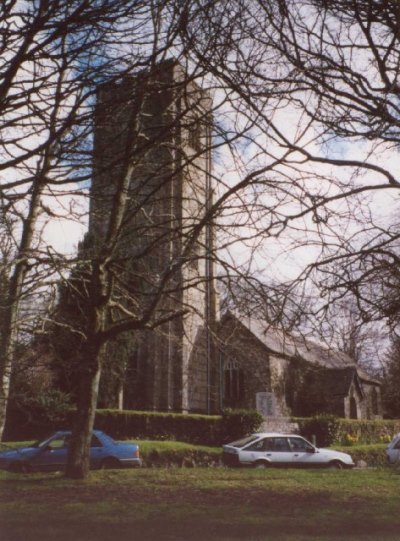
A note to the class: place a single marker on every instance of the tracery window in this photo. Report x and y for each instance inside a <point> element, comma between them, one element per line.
<point>234,383</point>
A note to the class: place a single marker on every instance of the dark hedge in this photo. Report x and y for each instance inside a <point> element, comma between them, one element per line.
<point>198,429</point>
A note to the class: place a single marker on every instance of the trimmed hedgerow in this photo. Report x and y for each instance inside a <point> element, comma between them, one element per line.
<point>196,429</point>
<point>238,423</point>
<point>159,426</point>
<point>199,429</point>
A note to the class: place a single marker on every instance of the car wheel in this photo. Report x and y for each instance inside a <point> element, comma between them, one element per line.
<point>261,465</point>
<point>336,465</point>
<point>110,463</point>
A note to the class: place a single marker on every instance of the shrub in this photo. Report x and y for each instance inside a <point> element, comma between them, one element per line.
<point>372,455</point>
<point>53,405</point>
<point>324,428</point>
<point>239,423</point>
<point>36,417</point>
<point>329,429</point>
<point>349,439</point>
<point>352,431</point>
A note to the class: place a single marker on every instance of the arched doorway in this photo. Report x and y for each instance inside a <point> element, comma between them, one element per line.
<point>353,408</point>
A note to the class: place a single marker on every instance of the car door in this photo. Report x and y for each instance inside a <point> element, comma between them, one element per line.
<point>252,452</point>
<point>275,450</point>
<point>53,457</point>
<point>303,453</point>
<point>97,452</point>
<point>279,451</point>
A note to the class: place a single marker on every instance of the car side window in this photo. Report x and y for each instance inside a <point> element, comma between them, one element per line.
<point>58,443</point>
<point>280,445</point>
<point>268,444</point>
<point>256,446</point>
<point>298,444</point>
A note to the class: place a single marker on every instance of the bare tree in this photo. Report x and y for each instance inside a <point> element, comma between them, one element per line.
<point>322,83</point>
<point>291,84</point>
<point>54,56</point>
<point>57,57</point>
<point>291,182</point>
<point>390,380</point>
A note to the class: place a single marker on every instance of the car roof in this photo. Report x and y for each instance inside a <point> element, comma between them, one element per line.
<point>274,434</point>
<point>68,432</point>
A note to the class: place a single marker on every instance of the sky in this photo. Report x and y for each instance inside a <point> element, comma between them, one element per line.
<point>278,255</point>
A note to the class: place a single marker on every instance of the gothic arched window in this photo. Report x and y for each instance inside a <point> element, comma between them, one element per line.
<point>353,408</point>
<point>234,384</point>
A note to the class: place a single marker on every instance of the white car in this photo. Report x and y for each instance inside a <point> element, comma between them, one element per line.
<point>285,450</point>
<point>393,450</point>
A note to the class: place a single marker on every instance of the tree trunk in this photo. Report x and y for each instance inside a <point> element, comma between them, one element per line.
<point>79,452</point>
<point>9,325</point>
<point>6,361</point>
<point>89,376</point>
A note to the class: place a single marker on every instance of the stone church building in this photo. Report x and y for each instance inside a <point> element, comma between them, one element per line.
<point>157,127</point>
<point>281,375</point>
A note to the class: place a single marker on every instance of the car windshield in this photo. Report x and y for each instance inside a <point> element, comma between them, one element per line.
<point>395,444</point>
<point>42,443</point>
<point>47,441</point>
<point>37,444</point>
<point>244,441</point>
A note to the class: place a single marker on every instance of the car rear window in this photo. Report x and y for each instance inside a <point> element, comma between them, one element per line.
<point>244,441</point>
<point>270,444</point>
<point>95,442</point>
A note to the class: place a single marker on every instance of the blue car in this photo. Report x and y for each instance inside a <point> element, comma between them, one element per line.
<point>51,454</point>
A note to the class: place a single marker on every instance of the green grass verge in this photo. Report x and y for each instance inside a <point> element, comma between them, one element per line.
<point>183,454</point>
<point>372,454</point>
<point>175,453</point>
<point>163,453</point>
<point>204,503</point>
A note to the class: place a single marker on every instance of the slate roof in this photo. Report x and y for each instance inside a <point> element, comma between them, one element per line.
<point>279,342</point>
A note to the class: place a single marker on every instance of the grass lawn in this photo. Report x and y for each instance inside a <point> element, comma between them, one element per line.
<point>207,504</point>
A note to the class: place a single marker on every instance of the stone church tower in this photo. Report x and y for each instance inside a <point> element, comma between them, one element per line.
<point>156,127</point>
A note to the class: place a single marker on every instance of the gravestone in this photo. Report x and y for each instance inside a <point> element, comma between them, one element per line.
<point>265,404</point>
